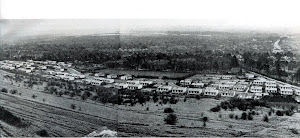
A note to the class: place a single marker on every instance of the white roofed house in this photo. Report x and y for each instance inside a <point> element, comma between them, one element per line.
<point>256,89</point>
<point>132,82</point>
<point>94,82</point>
<point>197,85</point>
<point>194,91</point>
<point>297,92</point>
<point>164,88</point>
<point>126,77</point>
<point>259,82</point>
<point>104,79</point>
<point>112,76</point>
<point>225,87</point>
<point>179,90</point>
<point>211,91</point>
<point>228,93</point>
<point>135,86</point>
<point>285,89</point>
<point>270,87</point>
<point>226,77</point>
<point>146,83</point>
<point>249,76</point>
<point>240,87</point>
<point>186,82</point>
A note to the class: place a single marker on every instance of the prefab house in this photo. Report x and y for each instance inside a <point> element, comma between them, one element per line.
<point>256,89</point>
<point>186,82</point>
<point>164,88</point>
<point>194,91</point>
<point>135,86</point>
<point>146,83</point>
<point>228,93</point>
<point>179,90</point>
<point>112,76</point>
<point>197,85</point>
<point>211,92</point>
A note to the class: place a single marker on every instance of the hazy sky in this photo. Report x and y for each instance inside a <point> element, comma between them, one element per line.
<point>104,15</point>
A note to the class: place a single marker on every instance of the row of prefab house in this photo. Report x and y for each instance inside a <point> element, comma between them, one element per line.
<point>272,87</point>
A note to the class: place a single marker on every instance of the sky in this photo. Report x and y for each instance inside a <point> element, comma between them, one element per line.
<point>77,17</point>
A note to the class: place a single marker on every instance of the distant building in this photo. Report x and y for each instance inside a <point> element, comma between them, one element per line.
<point>228,93</point>
<point>285,89</point>
<point>197,85</point>
<point>112,76</point>
<point>120,85</point>
<point>211,92</point>
<point>260,81</point>
<point>126,77</point>
<point>226,77</point>
<point>135,86</point>
<point>240,87</point>
<point>146,83</point>
<point>225,87</point>
<point>186,82</point>
<point>194,91</point>
<point>179,90</point>
<point>164,88</point>
<point>256,89</point>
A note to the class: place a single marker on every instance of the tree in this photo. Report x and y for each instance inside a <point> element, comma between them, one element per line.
<point>171,119</point>
<point>244,116</point>
<point>4,90</point>
<point>168,110</point>
<point>297,75</point>
<point>266,119</point>
<point>204,120</point>
<point>234,62</point>
<point>155,97</point>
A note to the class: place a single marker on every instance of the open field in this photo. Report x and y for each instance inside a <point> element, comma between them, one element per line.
<point>158,74</point>
<point>55,115</point>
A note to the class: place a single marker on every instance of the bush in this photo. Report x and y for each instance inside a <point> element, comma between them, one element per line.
<point>279,113</point>
<point>266,118</point>
<point>216,109</point>
<point>42,133</point>
<point>250,117</point>
<point>168,110</point>
<point>236,117</point>
<point>204,119</point>
<point>4,90</point>
<point>13,91</point>
<point>33,96</point>
<point>73,106</point>
<point>198,97</point>
<point>244,116</point>
<point>231,115</point>
<point>295,131</point>
<point>171,119</point>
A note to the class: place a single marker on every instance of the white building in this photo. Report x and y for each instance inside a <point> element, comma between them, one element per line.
<point>285,89</point>
<point>225,87</point>
<point>164,88</point>
<point>249,76</point>
<point>197,84</point>
<point>256,89</point>
<point>259,82</point>
<point>120,85</point>
<point>135,86</point>
<point>240,87</point>
<point>179,90</point>
<point>271,90</point>
<point>270,83</point>
<point>112,76</point>
<point>126,77</point>
<point>104,79</point>
<point>226,77</point>
<point>132,82</point>
<point>146,83</point>
<point>194,91</point>
<point>66,77</point>
<point>186,82</point>
<point>228,93</point>
<point>297,92</point>
<point>211,92</point>
<point>246,95</point>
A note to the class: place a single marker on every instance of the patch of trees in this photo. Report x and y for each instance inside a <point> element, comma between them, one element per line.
<point>171,119</point>
<point>240,104</point>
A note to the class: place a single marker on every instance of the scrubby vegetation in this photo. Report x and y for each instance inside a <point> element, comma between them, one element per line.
<point>11,119</point>
<point>43,133</point>
<point>168,110</point>
<point>171,119</point>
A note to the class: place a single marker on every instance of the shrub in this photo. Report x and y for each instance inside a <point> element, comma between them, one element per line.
<point>168,110</point>
<point>244,116</point>
<point>73,106</point>
<point>295,131</point>
<point>279,113</point>
<point>147,109</point>
<point>13,91</point>
<point>266,118</point>
<point>33,96</point>
<point>42,133</point>
<point>220,115</point>
<point>171,119</point>
<point>216,109</point>
<point>236,117</point>
<point>204,119</point>
<point>250,117</point>
<point>4,90</point>
<point>198,97</point>
<point>231,115</point>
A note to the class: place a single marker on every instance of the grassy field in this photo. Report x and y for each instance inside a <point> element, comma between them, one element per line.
<point>54,114</point>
